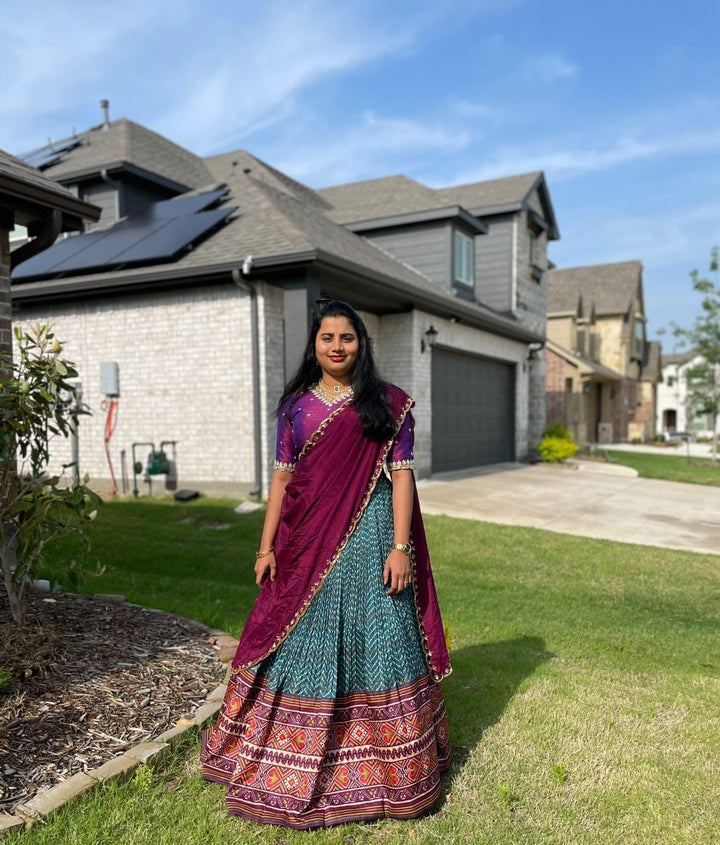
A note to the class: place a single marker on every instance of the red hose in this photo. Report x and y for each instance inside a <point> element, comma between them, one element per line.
<point>110,423</point>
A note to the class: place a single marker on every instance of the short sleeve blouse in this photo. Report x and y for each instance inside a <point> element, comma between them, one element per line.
<point>299,419</point>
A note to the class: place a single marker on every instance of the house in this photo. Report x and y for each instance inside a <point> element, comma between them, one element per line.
<point>485,242</point>
<point>40,205</point>
<point>601,372</point>
<point>207,315</point>
<point>674,409</point>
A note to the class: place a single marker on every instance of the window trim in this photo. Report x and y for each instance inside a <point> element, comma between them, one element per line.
<point>463,248</point>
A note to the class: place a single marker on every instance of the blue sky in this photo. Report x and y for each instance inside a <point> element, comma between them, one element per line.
<point>619,102</point>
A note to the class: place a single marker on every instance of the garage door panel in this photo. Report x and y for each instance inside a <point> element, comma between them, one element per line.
<point>473,403</point>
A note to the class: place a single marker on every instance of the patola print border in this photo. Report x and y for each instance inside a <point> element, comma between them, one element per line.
<point>333,560</point>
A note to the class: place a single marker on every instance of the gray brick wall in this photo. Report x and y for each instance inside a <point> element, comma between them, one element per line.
<point>185,375</point>
<point>272,376</point>
<point>402,362</point>
<point>531,310</point>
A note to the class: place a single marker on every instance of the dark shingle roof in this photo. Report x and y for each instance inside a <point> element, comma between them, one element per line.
<point>678,357</point>
<point>510,190</point>
<point>19,171</point>
<point>609,287</point>
<point>380,198</point>
<point>125,142</point>
<point>563,299</point>
<point>19,179</point>
<point>225,165</point>
<point>392,196</point>
<point>276,227</point>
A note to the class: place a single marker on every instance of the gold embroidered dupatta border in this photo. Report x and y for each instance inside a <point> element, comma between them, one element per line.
<point>312,440</point>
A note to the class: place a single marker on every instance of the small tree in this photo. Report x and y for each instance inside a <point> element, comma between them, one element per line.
<point>37,403</point>
<point>703,379</point>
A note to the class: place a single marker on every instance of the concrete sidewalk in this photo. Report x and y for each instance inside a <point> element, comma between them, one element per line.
<point>588,499</point>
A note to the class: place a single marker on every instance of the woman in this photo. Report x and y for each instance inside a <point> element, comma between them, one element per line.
<point>333,712</point>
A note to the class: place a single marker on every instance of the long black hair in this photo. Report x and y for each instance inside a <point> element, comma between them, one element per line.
<point>369,390</point>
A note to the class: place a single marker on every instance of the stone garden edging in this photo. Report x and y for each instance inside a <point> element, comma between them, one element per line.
<point>149,752</point>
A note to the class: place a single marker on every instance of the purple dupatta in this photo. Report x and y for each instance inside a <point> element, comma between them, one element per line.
<point>333,480</point>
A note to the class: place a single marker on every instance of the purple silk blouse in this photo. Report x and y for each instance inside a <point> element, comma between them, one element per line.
<point>297,424</point>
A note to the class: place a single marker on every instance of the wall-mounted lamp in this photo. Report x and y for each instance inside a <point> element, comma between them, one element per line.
<point>533,350</point>
<point>429,338</point>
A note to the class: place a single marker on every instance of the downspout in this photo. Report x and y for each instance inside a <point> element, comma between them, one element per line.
<point>239,277</point>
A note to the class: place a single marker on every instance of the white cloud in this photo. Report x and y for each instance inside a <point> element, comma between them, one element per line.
<point>59,57</point>
<point>372,146</point>
<point>566,163</point>
<point>243,81</point>
<point>549,68</point>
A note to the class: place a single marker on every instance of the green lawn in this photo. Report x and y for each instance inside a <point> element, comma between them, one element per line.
<point>584,702</point>
<point>670,467</point>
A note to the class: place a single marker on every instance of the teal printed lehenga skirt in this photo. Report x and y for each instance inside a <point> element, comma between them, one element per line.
<point>343,721</point>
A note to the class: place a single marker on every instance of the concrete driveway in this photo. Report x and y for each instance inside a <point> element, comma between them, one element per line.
<point>589,499</point>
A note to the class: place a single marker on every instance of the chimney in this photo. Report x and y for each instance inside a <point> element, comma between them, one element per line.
<point>105,106</point>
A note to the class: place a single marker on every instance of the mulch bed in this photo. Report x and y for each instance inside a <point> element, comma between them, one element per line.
<point>92,677</point>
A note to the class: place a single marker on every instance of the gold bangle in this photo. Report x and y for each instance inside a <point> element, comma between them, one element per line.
<point>260,554</point>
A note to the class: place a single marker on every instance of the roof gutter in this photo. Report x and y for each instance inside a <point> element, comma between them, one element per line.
<point>435,303</point>
<point>34,194</point>
<point>440,304</point>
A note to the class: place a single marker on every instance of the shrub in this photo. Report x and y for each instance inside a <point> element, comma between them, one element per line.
<point>554,449</point>
<point>37,403</point>
<point>558,431</point>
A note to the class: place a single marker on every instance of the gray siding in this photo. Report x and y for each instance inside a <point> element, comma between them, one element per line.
<point>136,197</point>
<point>104,196</point>
<point>426,248</point>
<point>493,263</point>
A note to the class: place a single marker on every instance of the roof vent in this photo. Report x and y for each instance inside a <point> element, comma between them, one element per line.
<point>105,106</point>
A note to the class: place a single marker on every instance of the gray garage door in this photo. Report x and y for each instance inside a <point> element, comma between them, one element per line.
<point>473,410</point>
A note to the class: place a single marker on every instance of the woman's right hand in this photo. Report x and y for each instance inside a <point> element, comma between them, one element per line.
<point>265,566</point>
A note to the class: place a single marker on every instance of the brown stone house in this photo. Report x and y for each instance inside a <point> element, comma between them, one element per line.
<point>601,372</point>
<point>45,209</point>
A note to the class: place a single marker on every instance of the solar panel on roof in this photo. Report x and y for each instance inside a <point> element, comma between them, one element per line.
<point>103,250</point>
<point>184,205</point>
<point>167,241</point>
<point>45,156</point>
<point>154,234</point>
<point>45,262</point>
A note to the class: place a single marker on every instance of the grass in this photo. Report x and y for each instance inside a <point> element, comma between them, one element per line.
<point>670,467</point>
<point>583,704</point>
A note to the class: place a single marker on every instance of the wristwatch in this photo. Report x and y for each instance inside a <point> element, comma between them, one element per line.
<point>402,547</point>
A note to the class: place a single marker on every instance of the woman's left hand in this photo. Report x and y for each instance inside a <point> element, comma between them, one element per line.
<point>397,572</point>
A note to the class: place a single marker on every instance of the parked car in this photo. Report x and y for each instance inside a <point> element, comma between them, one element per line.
<point>680,435</point>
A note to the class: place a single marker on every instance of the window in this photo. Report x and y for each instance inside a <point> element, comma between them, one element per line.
<point>464,270</point>
<point>18,237</point>
<point>639,339</point>
<point>531,246</point>
<point>671,381</point>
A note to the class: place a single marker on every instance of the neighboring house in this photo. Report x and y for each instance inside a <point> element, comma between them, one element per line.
<point>674,410</point>
<point>40,205</point>
<point>204,300</point>
<point>602,373</point>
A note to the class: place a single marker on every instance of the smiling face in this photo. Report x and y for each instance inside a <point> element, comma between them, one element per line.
<point>336,347</point>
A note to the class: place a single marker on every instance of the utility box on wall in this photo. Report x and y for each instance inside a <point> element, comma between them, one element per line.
<point>109,378</point>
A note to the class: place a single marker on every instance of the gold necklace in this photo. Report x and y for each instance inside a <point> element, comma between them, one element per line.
<point>335,391</point>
